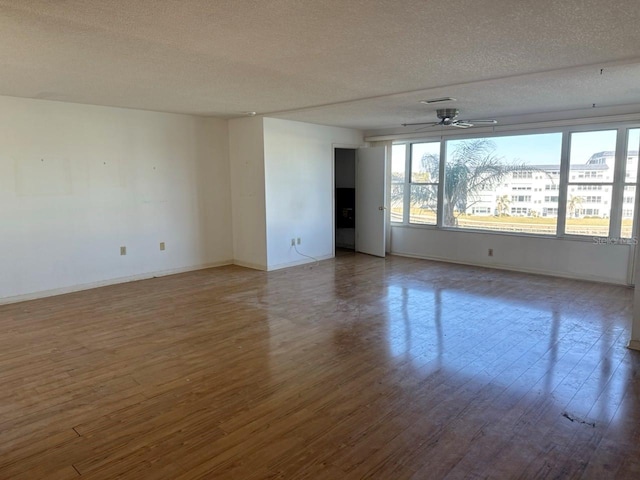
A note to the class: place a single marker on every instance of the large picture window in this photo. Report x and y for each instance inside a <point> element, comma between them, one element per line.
<point>522,184</point>
<point>630,179</point>
<point>425,166</point>
<point>590,187</point>
<point>398,167</point>
<point>503,183</point>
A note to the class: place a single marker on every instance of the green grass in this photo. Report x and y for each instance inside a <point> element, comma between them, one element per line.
<point>596,222</point>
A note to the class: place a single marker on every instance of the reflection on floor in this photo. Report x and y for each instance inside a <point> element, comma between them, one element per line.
<point>358,367</point>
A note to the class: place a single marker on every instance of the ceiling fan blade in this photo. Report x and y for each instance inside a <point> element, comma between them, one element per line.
<point>462,124</point>
<point>426,128</point>
<point>428,124</point>
<point>479,122</point>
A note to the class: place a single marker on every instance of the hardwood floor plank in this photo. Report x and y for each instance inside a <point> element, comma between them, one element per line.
<point>358,367</point>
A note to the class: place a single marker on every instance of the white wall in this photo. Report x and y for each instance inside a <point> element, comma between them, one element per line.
<point>551,256</point>
<point>299,188</point>
<point>246,153</point>
<point>79,181</point>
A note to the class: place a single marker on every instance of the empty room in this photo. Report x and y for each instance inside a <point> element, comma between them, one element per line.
<point>323,239</point>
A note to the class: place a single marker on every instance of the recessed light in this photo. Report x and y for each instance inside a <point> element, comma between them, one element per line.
<point>438,100</point>
<point>250,114</point>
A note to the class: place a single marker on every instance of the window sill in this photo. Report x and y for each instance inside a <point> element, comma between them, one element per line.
<point>568,237</point>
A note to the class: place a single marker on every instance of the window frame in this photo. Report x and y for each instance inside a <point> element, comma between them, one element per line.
<point>529,175</point>
<point>407,156</point>
<point>409,183</point>
<point>633,183</point>
<point>565,130</point>
<point>578,182</point>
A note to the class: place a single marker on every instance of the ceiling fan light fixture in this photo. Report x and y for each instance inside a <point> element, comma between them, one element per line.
<point>438,100</point>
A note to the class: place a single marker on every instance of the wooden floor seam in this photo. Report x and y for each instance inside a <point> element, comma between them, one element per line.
<point>351,368</point>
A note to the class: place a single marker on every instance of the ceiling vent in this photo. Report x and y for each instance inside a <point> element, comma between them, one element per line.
<point>438,100</point>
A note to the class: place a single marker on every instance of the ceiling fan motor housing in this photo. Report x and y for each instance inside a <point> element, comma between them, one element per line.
<point>447,113</point>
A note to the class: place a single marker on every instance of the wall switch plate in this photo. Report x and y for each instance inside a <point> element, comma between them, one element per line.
<point>123,250</point>
<point>162,246</point>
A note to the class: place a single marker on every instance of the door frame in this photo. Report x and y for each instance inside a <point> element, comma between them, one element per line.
<point>353,146</point>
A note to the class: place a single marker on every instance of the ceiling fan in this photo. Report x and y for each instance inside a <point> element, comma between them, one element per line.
<point>449,118</point>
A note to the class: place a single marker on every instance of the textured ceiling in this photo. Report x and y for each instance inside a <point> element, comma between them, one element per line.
<point>356,63</point>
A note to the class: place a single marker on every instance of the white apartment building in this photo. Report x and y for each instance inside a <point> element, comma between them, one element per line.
<point>534,192</point>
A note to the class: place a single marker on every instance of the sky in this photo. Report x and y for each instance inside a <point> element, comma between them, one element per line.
<point>542,149</point>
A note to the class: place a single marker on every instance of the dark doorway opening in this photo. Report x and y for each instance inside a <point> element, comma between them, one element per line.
<point>345,198</point>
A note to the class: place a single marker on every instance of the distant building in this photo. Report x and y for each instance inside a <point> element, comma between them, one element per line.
<point>534,192</point>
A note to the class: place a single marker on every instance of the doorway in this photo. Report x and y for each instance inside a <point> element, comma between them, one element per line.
<point>345,199</point>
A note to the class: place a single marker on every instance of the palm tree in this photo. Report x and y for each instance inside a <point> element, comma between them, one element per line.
<point>573,203</point>
<point>502,205</point>
<point>470,168</point>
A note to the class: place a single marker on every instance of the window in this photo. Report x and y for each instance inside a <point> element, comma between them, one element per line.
<point>398,167</point>
<point>481,210</point>
<point>522,175</point>
<point>589,175</point>
<point>425,171</point>
<point>514,183</point>
<point>630,179</point>
<point>588,211</point>
<point>487,172</point>
<point>591,164</point>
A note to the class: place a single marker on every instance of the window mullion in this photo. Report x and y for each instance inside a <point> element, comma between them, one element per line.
<point>564,180</point>
<point>441,173</point>
<point>634,225</point>
<point>406,199</point>
<point>617,191</point>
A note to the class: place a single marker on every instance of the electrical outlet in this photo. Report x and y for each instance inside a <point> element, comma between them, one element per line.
<point>298,240</point>
<point>293,242</point>
<point>491,252</point>
<point>162,246</point>
<point>123,250</point>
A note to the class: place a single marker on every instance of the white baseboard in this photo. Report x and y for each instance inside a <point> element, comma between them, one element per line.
<point>634,345</point>
<point>111,281</point>
<point>295,263</point>
<point>144,276</point>
<point>497,266</point>
<point>254,266</point>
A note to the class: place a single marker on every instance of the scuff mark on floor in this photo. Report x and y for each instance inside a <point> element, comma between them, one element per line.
<point>579,420</point>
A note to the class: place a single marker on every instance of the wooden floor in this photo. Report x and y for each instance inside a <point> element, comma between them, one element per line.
<point>358,367</point>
